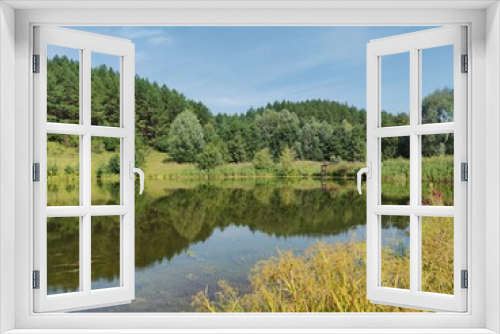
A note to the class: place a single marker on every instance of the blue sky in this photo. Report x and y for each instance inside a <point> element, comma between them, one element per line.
<point>231,69</point>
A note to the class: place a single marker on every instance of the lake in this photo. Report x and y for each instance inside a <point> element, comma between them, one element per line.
<point>189,235</point>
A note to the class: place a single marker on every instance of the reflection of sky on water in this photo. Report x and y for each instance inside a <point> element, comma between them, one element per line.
<point>225,232</point>
<point>228,254</point>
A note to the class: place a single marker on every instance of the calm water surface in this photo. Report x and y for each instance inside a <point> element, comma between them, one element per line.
<point>190,235</point>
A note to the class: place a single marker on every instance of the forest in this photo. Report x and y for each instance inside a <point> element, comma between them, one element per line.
<point>169,122</point>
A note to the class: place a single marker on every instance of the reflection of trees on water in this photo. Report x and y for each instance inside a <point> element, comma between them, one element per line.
<point>188,216</point>
<point>111,188</point>
<point>167,225</point>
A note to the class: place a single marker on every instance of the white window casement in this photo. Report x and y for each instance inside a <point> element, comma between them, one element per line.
<point>86,44</point>
<point>415,44</point>
<point>472,27</point>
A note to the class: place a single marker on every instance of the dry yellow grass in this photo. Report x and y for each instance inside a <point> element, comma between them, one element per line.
<point>332,278</point>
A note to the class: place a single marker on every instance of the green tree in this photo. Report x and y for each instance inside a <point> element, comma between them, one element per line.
<point>63,100</point>
<point>277,129</point>
<point>237,149</point>
<point>185,139</point>
<point>263,160</point>
<point>312,147</point>
<point>210,158</point>
<point>437,107</point>
<point>212,137</point>
<point>141,151</point>
<point>286,160</point>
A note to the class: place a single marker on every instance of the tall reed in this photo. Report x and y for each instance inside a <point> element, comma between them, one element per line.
<point>332,277</point>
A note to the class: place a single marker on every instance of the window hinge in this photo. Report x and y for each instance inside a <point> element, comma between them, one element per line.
<point>36,172</point>
<point>465,279</point>
<point>36,63</point>
<point>464,174</point>
<point>36,279</point>
<point>465,64</point>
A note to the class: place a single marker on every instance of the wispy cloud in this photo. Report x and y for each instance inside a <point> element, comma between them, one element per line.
<point>152,35</point>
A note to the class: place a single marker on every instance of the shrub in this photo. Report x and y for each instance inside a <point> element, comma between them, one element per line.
<point>111,144</point>
<point>100,171</point>
<point>114,164</point>
<point>52,169</point>
<point>69,170</point>
<point>97,146</point>
<point>263,160</point>
<point>286,160</point>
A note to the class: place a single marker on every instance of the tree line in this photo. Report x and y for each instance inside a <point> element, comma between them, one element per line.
<point>167,121</point>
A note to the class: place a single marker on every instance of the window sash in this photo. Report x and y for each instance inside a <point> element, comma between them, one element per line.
<point>413,43</point>
<point>86,297</point>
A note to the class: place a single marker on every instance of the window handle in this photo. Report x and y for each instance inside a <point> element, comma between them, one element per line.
<point>368,171</point>
<point>134,170</point>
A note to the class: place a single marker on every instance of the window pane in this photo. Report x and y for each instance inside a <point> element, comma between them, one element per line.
<point>105,252</point>
<point>437,254</point>
<point>395,239</point>
<point>63,84</point>
<point>105,89</point>
<point>63,170</point>
<point>106,168</point>
<point>437,169</point>
<point>395,89</point>
<point>437,84</point>
<point>395,170</point>
<point>63,255</point>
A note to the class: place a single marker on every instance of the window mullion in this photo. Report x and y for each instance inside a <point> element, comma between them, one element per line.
<point>414,171</point>
<point>86,173</point>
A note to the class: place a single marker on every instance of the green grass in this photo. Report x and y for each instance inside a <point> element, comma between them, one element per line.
<point>160,166</point>
<point>434,169</point>
<point>61,156</point>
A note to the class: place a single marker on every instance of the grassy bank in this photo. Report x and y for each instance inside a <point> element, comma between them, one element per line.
<point>332,278</point>
<point>434,169</point>
<point>63,162</point>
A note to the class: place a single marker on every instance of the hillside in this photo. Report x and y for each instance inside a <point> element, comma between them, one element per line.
<point>168,121</point>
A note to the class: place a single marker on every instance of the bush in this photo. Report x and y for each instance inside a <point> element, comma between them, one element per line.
<point>69,170</point>
<point>114,164</point>
<point>97,147</point>
<point>286,160</point>
<point>52,169</point>
<point>263,160</point>
<point>100,171</point>
<point>111,144</point>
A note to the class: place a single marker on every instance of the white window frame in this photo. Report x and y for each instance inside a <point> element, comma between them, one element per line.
<point>484,54</point>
